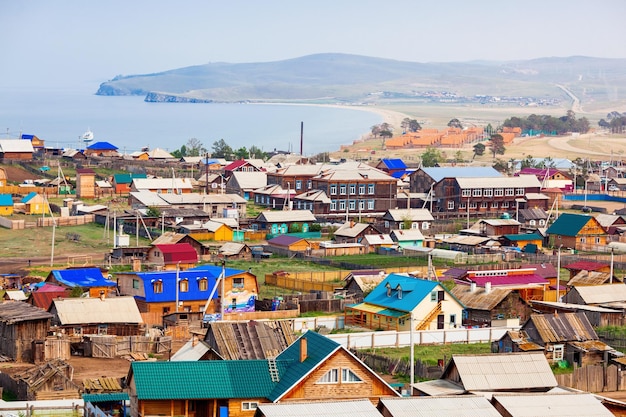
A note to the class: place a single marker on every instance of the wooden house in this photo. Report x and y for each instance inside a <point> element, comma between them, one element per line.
<point>113,316</point>
<point>16,149</point>
<point>165,186</point>
<point>244,183</point>
<point>399,299</point>
<point>157,293</point>
<point>358,284</point>
<point>35,204</point>
<point>281,222</point>
<point>576,231</point>
<point>532,218</point>
<point>567,336</point>
<point>530,285</point>
<point>611,223</point>
<point>400,219</point>
<point>485,307</point>
<point>290,243</point>
<point>122,182</point>
<point>392,165</point>
<point>488,373</point>
<point>6,205</point>
<point>351,232</point>
<point>404,238</point>
<point>43,295</point>
<point>172,256</point>
<point>103,149</point>
<point>497,227</point>
<point>234,250</point>
<point>21,326</point>
<point>37,143</point>
<point>593,278</point>
<point>89,280</point>
<point>313,368</point>
<point>373,242</point>
<point>575,268</point>
<point>260,340</point>
<point>597,316</point>
<point>85,183</point>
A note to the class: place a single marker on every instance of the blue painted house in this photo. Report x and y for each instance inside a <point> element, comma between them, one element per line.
<point>392,166</point>
<point>397,298</point>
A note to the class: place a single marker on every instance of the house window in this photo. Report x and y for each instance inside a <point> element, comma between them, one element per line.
<point>519,191</point>
<point>237,282</point>
<point>477,192</point>
<point>330,377</point>
<point>348,376</point>
<point>157,287</point>
<point>233,304</point>
<point>401,225</point>
<point>102,329</point>
<point>298,184</point>
<point>505,204</point>
<point>361,204</point>
<point>361,189</point>
<point>342,205</point>
<point>203,284</point>
<point>415,225</point>
<point>462,205</point>
<point>452,320</point>
<point>542,222</point>
<point>352,205</point>
<point>333,205</point>
<point>597,240</point>
<point>473,205</point>
<point>78,331</point>
<point>466,193</point>
<point>508,192</point>
<point>494,205</point>
<point>183,285</point>
<point>558,353</point>
<point>425,225</point>
<point>484,205</point>
<point>488,192</point>
<point>582,240</point>
<point>451,205</point>
<point>352,189</point>
<point>370,188</point>
<point>532,222</point>
<point>247,405</point>
<point>433,296</point>
<point>370,204</point>
<point>498,192</point>
<point>342,189</point>
<point>135,284</point>
<point>333,189</point>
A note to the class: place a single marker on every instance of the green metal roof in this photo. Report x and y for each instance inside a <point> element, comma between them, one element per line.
<point>105,397</point>
<point>318,349</point>
<point>568,224</point>
<point>523,236</point>
<point>204,379</point>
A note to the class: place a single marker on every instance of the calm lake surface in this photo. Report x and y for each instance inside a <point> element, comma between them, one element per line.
<point>61,117</point>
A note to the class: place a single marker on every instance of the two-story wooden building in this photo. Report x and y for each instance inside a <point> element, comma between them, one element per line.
<point>294,177</point>
<point>577,231</point>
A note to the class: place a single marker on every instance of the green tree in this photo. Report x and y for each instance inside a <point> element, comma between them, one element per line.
<point>257,153</point>
<point>528,162</point>
<point>414,126</point>
<point>455,123</point>
<point>479,149</point>
<point>153,212</point>
<point>241,153</point>
<point>221,149</point>
<point>405,124</point>
<point>180,153</point>
<point>458,157</point>
<point>501,165</point>
<point>431,157</point>
<point>376,130</point>
<point>496,145</point>
<point>194,147</point>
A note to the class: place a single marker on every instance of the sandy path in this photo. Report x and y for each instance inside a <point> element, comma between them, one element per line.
<point>562,144</point>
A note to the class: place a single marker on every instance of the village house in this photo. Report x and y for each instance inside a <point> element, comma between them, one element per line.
<point>281,222</point>
<point>122,182</point>
<point>103,149</point>
<point>423,179</point>
<point>593,278</point>
<point>315,201</point>
<point>43,294</point>
<point>400,299</point>
<point>21,325</point>
<point>16,149</point>
<point>314,368</point>
<point>613,296</point>
<point>497,372</point>
<point>162,185</point>
<point>90,280</point>
<point>113,316</point>
<point>241,165</point>
<point>392,166</point>
<point>532,218</point>
<point>173,256</point>
<point>157,293</point>
<point>495,227</point>
<point>274,196</point>
<point>575,268</point>
<point>409,237</point>
<point>294,177</point>
<point>358,284</point>
<point>372,243</point>
<point>402,219</point>
<point>38,144</point>
<point>351,232</point>
<point>612,223</point>
<point>34,203</point>
<point>6,205</point>
<point>597,316</point>
<point>530,285</point>
<point>488,307</point>
<point>550,177</point>
<point>244,183</point>
<point>527,242</point>
<point>576,231</point>
<point>567,336</point>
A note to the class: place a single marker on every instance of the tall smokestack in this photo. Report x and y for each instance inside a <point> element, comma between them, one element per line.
<point>301,137</point>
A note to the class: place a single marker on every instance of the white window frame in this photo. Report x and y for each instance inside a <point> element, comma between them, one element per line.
<point>343,189</point>
<point>505,204</point>
<point>558,352</point>
<point>352,205</point>
<point>450,204</point>
<point>498,192</point>
<point>352,189</point>
<point>509,192</point>
<point>330,377</point>
<point>249,405</point>
<point>466,193</point>
<point>473,205</point>
<point>333,205</point>
<point>342,205</point>
<point>371,189</point>
<point>477,192</point>
<point>333,189</point>
<point>370,204</point>
<point>462,205</point>
<point>361,189</point>
<point>519,191</point>
<point>298,184</point>
<point>347,376</point>
<point>488,192</point>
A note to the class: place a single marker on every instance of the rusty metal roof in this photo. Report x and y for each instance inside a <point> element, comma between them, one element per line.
<point>479,299</point>
<point>591,346</point>
<point>592,278</point>
<point>563,327</point>
<point>521,339</point>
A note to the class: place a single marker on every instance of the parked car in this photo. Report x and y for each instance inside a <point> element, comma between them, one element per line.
<point>613,187</point>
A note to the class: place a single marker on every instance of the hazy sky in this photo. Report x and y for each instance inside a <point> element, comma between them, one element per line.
<point>79,44</point>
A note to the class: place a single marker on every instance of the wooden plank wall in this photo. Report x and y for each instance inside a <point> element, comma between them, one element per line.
<point>594,378</point>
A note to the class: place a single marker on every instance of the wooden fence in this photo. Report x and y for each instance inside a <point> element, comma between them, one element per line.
<point>594,378</point>
<point>386,365</point>
<point>112,346</point>
<point>65,221</point>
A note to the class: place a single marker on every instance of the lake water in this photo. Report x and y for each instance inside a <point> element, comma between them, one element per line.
<point>61,117</point>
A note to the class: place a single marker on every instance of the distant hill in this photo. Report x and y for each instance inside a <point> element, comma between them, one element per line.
<point>328,78</point>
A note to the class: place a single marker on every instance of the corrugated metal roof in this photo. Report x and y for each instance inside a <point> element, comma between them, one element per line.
<point>600,294</point>
<point>522,181</point>
<point>102,146</point>
<point>585,265</point>
<point>448,406</point>
<point>569,224</point>
<point>286,216</point>
<point>18,311</point>
<point>406,235</point>
<point>552,405</point>
<point>105,397</point>
<point>95,310</point>
<point>592,278</point>
<point>504,371</point>
<point>82,277</point>
<point>479,299</point>
<point>564,327</point>
<point>16,145</point>
<point>191,351</point>
<point>439,173</point>
<point>439,387</point>
<point>352,408</point>
<point>399,215</point>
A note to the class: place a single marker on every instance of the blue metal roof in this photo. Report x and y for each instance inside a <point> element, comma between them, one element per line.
<point>82,277</point>
<point>28,197</point>
<point>6,200</point>
<point>398,174</point>
<point>439,173</point>
<point>192,275</point>
<point>394,163</point>
<point>29,137</point>
<point>414,290</point>
<point>102,146</point>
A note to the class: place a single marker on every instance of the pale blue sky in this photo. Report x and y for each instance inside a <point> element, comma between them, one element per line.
<point>78,44</point>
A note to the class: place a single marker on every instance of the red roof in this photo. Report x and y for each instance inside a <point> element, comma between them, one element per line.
<point>546,270</point>
<point>179,252</point>
<point>44,299</point>
<point>509,280</point>
<point>234,165</point>
<point>585,266</point>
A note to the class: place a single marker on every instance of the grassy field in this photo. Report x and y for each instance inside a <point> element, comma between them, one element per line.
<point>430,354</point>
<point>380,261</point>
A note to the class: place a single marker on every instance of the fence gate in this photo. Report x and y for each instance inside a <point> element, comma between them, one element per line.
<point>123,346</point>
<point>164,344</point>
<point>103,347</point>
